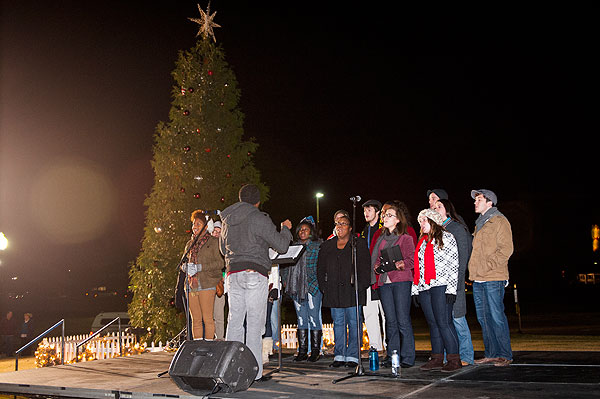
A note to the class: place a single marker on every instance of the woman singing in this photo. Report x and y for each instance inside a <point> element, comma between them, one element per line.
<point>435,288</point>
<point>204,272</point>
<point>395,285</point>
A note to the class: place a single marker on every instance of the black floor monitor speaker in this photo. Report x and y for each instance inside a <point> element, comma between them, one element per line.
<point>202,366</point>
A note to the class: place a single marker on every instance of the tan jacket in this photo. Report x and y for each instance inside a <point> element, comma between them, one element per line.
<point>492,246</point>
<point>212,263</point>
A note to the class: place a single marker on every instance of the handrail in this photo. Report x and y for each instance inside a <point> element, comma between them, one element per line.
<point>94,335</point>
<point>62,343</point>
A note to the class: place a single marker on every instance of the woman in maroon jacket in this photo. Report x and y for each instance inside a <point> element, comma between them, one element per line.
<point>395,284</point>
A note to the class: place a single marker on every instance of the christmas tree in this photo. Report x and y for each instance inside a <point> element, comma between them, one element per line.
<point>200,162</point>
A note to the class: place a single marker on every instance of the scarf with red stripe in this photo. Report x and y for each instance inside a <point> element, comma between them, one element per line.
<point>429,272</point>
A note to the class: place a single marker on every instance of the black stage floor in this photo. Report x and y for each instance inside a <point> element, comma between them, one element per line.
<point>532,375</point>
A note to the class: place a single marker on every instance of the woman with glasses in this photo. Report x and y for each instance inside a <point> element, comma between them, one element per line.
<point>392,258</point>
<point>335,274</point>
<point>300,283</point>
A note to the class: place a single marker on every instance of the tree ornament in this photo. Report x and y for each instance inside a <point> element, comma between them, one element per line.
<point>198,130</point>
<point>207,150</point>
<point>183,91</point>
<point>206,23</point>
<point>197,195</point>
<point>158,229</point>
<point>222,199</point>
<point>228,155</point>
<point>210,73</point>
<point>228,175</point>
<point>187,148</point>
<point>182,189</point>
<point>198,178</point>
<point>190,90</point>
<point>186,112</point>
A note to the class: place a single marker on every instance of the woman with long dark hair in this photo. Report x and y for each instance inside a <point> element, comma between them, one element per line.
<point>434,285</point>
<point>395,285</point>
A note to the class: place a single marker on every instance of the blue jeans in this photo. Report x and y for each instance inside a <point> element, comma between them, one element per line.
<point>345,318</point>
<point>395,298</point>
<point>308,312</point>
<point>465,345</point>
<point>275,324</point>
<point>489,305</point>
<point>247,295</point>
<point>438,314</point>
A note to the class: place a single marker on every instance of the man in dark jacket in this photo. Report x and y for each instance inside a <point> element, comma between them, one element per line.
<point>246,236</point>
<point>335,273</point>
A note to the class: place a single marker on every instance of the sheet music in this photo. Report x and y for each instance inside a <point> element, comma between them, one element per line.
<point>292,252</point>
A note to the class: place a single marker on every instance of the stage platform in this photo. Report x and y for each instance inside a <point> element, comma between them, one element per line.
<point>532,375</point>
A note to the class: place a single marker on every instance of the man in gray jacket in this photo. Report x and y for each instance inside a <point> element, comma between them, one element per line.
<point>246,236</point>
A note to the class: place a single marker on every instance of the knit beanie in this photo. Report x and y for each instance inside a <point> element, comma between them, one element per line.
<point>433,215</point>
<point>440,192</point>
<point>250,193</point>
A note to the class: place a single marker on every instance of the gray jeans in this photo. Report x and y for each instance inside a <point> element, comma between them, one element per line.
<point>247,295</point>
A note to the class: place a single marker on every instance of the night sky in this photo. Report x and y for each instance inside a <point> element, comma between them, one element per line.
<point>369,100</point>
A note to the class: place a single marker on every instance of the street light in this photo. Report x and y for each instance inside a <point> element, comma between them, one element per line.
<point>3,241</point>
<point>317,196</point>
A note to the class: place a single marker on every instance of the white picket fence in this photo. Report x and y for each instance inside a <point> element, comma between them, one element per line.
<point>289,337</point>
<point>103,347</point>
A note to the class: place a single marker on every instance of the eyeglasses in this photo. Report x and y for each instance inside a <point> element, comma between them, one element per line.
<point>389,215</point>
<point>342,224</point>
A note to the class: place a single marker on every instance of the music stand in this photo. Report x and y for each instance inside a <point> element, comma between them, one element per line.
<point>359,371</point>
<point>289,258</point>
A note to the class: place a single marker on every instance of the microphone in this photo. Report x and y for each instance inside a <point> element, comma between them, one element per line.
<point>356,199</point>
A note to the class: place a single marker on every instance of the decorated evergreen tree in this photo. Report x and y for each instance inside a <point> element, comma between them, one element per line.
<point>200,162</point>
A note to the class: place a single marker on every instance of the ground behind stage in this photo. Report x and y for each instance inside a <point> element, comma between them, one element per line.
<point>533,374</point>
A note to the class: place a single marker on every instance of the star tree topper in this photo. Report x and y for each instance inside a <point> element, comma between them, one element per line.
<point>206,23</point>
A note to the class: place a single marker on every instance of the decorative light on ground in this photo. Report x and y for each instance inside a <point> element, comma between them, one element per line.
<point>595,237</point>
<point>3,241</point>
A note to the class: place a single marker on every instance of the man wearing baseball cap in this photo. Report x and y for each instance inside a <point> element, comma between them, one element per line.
<point>488,269</point>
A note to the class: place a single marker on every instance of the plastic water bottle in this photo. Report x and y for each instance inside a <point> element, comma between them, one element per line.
<point>373,359</point>
<point>395,363</point>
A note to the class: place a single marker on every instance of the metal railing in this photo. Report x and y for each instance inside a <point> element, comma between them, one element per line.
<point>94,335</point>
<point>42,335</point>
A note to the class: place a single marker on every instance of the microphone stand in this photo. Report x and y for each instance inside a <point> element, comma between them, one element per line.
<point>359,371</point>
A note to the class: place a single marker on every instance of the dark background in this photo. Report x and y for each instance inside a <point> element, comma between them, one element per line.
<point>368,100</point>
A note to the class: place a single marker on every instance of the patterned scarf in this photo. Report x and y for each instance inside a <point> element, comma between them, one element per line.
<point>429,272</point>
<point>199,244</point>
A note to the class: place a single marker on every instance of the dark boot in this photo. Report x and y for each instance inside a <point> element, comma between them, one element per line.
<point>302,345</point>
<point>436,362</point>
<point>315,345</point>
<point>453,363</point>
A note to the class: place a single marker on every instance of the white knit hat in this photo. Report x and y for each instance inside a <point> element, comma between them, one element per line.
<point>433,215</point>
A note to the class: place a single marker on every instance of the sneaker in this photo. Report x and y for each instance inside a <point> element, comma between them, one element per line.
<point>502,362</point>
<point>487,360</point>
